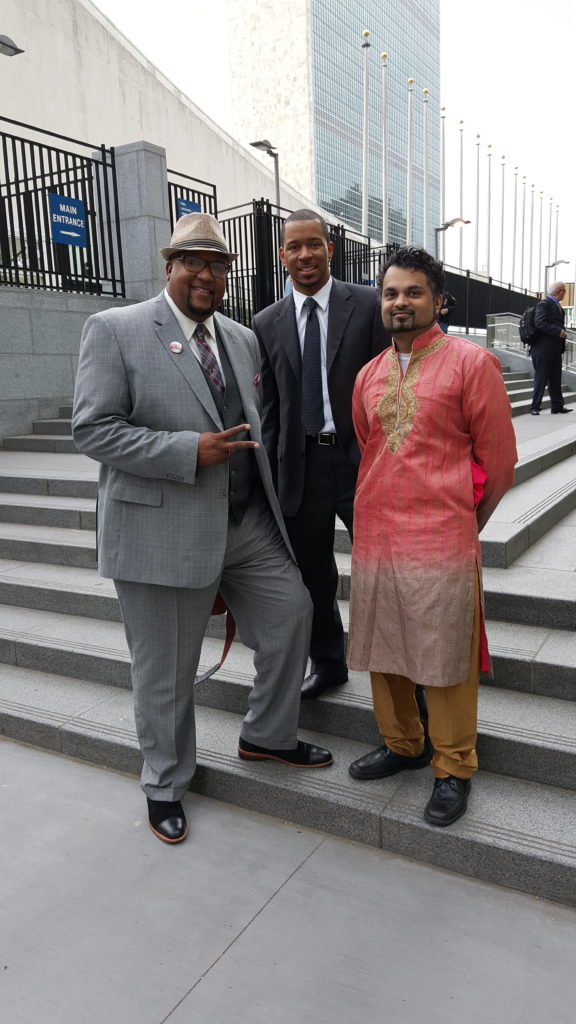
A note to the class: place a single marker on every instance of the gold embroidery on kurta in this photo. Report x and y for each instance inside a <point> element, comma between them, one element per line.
<point>398,406</point>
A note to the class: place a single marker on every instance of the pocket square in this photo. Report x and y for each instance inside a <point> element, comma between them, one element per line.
<point>257,380</point>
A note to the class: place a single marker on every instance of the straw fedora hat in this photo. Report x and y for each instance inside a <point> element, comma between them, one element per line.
<point>197,232</point>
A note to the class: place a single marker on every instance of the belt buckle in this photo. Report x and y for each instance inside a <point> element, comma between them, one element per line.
<point>326,439</point>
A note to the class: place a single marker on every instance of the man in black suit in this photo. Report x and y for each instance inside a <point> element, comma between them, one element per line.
<point>313,342</point>
<point>547,349</point>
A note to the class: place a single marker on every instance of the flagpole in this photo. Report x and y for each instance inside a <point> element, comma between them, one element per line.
<point>540,260</point>
<point>425,205</point>
<point>443,175</point>
<point>409,167</point>
<point>384,58</point>
<point>522,235</point>
<point>530,258</point>
<point>514,226</point>
<point>502,220</point>
<point>461,214</point>
<point>477,221</point>
<point>489,196</point>
<point>365,47</point>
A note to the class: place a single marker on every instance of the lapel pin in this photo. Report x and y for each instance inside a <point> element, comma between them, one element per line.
<point>175,346</point>
<point>257,380</point>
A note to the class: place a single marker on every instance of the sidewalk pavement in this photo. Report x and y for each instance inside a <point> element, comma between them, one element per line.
<point>251,919</point>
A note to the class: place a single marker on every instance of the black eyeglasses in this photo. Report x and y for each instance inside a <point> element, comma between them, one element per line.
<point>195,264</point>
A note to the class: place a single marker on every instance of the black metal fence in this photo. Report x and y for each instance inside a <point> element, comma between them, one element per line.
<point>59,219</point>
<point>477,296</point>
<point>190,195</point>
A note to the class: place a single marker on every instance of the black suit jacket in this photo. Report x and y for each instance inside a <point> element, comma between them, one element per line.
<point>355,336</point>
<point>549,322</point>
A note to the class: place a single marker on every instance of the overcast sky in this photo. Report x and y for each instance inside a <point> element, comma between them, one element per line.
<point>505,71</point>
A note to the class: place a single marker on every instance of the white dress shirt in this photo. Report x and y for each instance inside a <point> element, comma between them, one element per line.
<point>188,327</point>
<point>322,297</point>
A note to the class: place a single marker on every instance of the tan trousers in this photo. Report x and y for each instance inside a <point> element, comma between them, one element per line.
<point>452,715</point>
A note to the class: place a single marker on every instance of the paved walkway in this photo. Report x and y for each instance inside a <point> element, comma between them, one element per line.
<point>250,920</point>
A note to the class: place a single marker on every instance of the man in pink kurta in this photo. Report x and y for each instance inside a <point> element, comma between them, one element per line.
<point>433,421</point>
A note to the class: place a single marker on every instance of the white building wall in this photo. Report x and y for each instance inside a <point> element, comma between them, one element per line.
<point>79,76</point>
<point>271,77</point>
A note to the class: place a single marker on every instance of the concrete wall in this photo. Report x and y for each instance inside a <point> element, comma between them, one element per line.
<point>81,77</point>
<point>39,338</point>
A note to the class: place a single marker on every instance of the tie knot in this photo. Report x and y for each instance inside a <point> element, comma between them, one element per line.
<point>310,304</point>
<point>200,331</point>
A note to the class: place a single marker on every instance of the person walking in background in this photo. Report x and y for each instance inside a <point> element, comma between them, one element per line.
<point>547,349</point>
<point>168,398</point>
<point>447,307</point>
<point>433,421</point>
<point>313,343</point>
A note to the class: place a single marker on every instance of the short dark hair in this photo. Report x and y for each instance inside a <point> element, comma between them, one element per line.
<point>307,215</point>
<point>415,259</point>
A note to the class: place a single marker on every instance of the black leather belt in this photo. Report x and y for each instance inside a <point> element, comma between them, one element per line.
<point>328,439</point>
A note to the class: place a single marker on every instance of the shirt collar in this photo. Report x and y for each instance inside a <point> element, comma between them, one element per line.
<point>422,340</point>
<point>187,325</point>
<point>554,299</point>
<point>322,297</point>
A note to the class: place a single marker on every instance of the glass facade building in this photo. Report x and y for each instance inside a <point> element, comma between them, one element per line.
<point>409,32</point>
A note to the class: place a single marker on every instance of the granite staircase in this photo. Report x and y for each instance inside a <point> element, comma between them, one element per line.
<point>65,676</point>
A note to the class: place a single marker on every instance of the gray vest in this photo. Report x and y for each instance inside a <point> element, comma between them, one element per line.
<point>243,472</point>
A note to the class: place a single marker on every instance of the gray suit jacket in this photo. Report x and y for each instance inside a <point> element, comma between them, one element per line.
<point>139,410</point>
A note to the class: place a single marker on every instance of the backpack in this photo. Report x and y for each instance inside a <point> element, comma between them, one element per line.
<point>526,327</point>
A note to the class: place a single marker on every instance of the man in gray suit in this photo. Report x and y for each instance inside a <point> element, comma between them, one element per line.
<point>168,398</point>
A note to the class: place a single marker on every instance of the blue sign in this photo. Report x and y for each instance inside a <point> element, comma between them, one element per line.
<point>67,220</point>
<point>184,206</point>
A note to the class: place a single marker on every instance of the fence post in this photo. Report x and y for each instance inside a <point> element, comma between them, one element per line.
<point>338,237</point>
<point>144,216</point>
<point>467,302</point>
<point>264,255</point>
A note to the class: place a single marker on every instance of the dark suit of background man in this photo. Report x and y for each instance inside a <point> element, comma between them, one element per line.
<point>310,360</point>
<point>166,392</point>
<point>547,349</point>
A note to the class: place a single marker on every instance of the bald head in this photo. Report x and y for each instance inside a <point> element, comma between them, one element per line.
<point>557,290</point>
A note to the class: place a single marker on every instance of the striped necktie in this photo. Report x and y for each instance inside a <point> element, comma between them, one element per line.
<point>208,360</point>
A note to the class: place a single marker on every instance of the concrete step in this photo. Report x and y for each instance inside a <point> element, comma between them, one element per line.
<point>40,443</point>
<point>527,512</point>
<point>22,542</point>
<point>57,426</point>
<point>45,510</point>
<point>508,375</point>
<point>524,593</point>
<point>531,655</point>
<point>521,383</point>
<point>521,401</point>
<point>516,832</point>
<point>54,630</point>
<point>58,474</point>
<point>65,411</point>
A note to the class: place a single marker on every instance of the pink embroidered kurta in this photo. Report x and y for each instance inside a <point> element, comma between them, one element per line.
<point>416,553</point>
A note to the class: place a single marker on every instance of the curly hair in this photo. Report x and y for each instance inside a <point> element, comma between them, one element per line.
<point>415,259</point>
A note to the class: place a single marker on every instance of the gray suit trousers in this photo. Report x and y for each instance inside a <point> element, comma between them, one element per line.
<point>165,627</point>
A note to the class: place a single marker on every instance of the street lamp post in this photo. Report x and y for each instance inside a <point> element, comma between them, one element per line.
<point>271,150</point>
<point>444,227</point>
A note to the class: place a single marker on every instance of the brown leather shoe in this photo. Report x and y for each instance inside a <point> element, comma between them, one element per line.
<point>167,820</point>
<point>305,755</point>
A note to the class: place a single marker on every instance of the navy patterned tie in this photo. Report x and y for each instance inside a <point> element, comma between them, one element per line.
<point>208,359</point>
<point>312,397</point>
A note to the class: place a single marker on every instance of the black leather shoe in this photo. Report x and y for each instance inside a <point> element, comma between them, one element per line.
<point>382,762</point>
<point>323,678</point>
<point>167,820</point>
<point>534,412</point>
<point>305,755</point>
<point>448,802</point>
<point>556,412</point>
